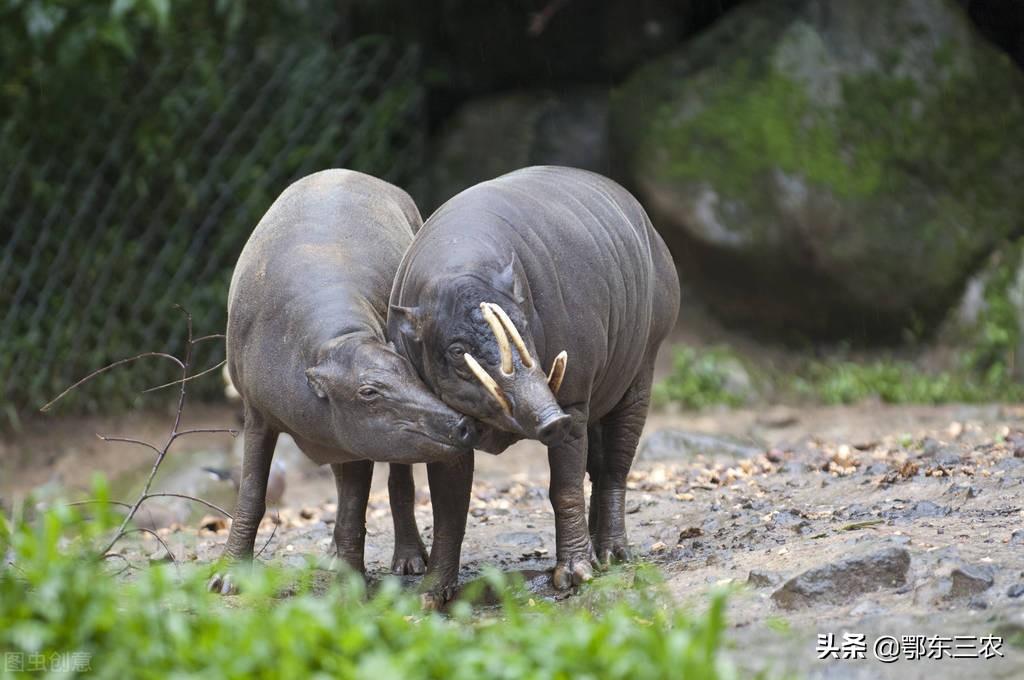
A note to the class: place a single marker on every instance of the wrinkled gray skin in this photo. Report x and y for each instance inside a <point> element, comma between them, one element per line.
<point>307,353</point>
<point>575,262</point>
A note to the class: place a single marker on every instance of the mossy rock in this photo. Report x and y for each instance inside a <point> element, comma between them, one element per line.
<point>491,136</point>
<point>828,167</point>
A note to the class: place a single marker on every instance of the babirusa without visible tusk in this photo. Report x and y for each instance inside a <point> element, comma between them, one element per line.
<point>487,381</point>
<point>557,371</point>
<point>499,335</point>
<point>517,339</point>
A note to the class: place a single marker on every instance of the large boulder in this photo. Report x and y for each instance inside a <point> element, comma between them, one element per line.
<point>828,167</point>
<point>493,135</point>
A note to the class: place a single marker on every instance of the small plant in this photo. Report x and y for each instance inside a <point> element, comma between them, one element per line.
<point>702,378</point>
<point>56,598</point>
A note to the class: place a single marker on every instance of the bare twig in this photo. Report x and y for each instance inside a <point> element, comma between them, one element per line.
<point>141,530</point>
<point>160,452</point>
<point>127,563</point>
<point>106,368</point>
<point>93,501</point>
<point>191,498</point>
<point>273,532</point>
<point>128,440</point>
<point>207,430</point>
<point>212,336</point>
<point>191,377</point>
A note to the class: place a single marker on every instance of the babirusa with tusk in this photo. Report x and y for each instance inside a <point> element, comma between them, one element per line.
<point>488,382</point>
<point>517,340</point>
<point>499,334</point>
<point>557,371</point>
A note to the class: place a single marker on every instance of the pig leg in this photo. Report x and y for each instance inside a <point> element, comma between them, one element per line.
<point>621,431</point>
<point>595,459</point>
<point>260,441</point>
<point>574,553</point>
<point>450,487</point>
<point>410,555</point>
<point>353,483</point>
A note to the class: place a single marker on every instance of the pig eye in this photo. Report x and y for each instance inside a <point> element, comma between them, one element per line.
<point>368,393</point>
<point>456,351</point>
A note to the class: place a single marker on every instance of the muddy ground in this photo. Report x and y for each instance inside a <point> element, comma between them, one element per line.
<point>869,520</point>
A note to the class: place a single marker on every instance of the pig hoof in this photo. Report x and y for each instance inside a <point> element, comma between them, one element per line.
<point>614,553</point>
<point>222,584</point>
<point>435,600</point>
<point>409,561</point>
<point>572,572</point>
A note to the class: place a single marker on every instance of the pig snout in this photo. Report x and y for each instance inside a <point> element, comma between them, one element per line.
<point>553,427</point>
<point>464,432</point>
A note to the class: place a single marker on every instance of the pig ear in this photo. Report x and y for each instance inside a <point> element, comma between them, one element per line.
<point>508,281</point>
<point>317,379</point>
<point>409,321</point>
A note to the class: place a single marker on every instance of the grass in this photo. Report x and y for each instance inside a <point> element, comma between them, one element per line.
<point>55,597</point>
<point>699,377</point>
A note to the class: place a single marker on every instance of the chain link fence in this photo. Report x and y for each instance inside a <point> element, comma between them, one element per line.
<point>147,203</point>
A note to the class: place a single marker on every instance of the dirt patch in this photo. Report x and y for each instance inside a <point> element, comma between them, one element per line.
<point>881,520</point>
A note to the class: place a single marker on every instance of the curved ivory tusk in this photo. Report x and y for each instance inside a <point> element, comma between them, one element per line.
<point>557,371</point>
<point>499,334</point>
<point>517,339</point>
<point>487,381</point>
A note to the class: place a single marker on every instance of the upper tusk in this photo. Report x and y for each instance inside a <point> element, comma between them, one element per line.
<point>499,334</point>
<point>517,339</point>
<point>557,371</point>
<point>488,382</point>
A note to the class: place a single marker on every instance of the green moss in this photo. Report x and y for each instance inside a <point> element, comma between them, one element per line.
<point>754,123</point>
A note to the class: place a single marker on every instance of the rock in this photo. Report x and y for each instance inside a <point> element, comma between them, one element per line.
<point>690,532</point>
<point>795,161</point>
<point>673,444</point>
<point>519,129</point>
<point>845,580</point>
<point>1015,591</point>
<point>777,417</point>
<point>918,510</point>
<point>969,580</point>
<point>760,578</point>
<point>1017,537</point>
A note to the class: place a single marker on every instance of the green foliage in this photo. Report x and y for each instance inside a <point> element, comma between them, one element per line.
<point>700,378</point>
<point>56,598</point>
<point>139,166</point>
<point>996,335</point>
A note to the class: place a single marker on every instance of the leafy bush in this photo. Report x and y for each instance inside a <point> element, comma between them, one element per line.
<point>56,598</point>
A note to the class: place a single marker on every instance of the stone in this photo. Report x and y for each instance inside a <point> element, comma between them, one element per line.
<point>761,578</point>
<point>844,580</point>
<point>675,444</point>
<point>795,160</point>
<point>967,580</point>
<point>1016,590</point>
<point>516,130</point>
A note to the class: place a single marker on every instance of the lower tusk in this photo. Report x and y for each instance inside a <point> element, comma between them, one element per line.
<point>557,371</point>
<point>503,349</point>
<point>488,382</point>
<point>517,339</point>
